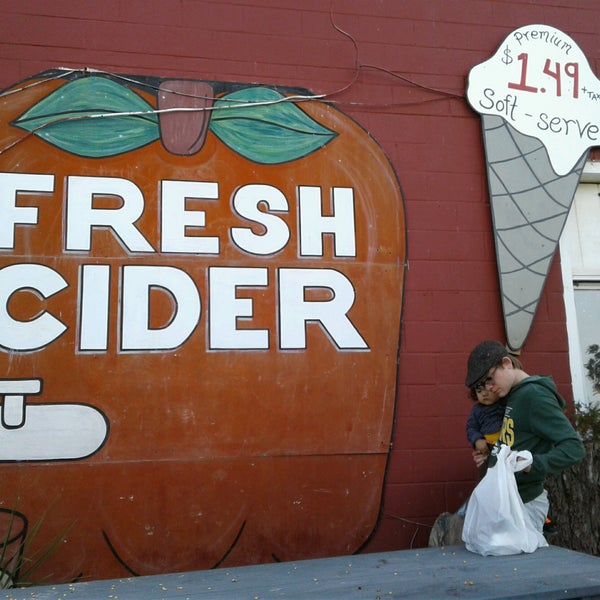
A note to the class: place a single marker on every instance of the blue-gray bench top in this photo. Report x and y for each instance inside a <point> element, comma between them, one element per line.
<point>424,574</point>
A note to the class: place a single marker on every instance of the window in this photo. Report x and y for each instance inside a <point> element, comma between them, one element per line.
<point>580,259</point>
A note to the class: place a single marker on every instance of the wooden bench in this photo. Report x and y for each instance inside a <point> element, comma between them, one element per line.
<point>423,574</point>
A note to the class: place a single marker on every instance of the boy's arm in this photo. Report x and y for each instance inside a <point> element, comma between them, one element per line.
<point>549,421</point>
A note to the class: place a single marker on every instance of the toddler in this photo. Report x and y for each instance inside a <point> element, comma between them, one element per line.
<point>484,422</point>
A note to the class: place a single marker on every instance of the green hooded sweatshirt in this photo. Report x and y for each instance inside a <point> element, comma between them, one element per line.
<point>535,420</point>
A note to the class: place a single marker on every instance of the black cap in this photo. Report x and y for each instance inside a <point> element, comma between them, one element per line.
<point>483,357</point>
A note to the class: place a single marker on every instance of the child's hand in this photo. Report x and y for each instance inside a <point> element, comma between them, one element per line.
<point>481,452</point>
<point>482,447</point>
<point>479,457</point>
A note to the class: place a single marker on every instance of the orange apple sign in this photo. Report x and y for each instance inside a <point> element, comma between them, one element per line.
<point>200,298</point>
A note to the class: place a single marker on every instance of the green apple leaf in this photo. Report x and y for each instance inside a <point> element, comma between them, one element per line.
<point>271,133</point>
<point>96,117</point>
<point>66,118</point>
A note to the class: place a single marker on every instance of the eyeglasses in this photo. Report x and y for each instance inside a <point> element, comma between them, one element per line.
<point>489,380</point>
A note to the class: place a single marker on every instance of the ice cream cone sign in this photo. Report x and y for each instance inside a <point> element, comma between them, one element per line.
<point>538,100</point>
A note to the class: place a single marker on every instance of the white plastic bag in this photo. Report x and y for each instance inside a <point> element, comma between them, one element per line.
<point>495,522</point>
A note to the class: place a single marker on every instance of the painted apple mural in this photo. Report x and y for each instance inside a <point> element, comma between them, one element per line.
<point>200,300</point>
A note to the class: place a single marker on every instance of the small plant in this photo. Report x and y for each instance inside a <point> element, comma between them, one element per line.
<point>587,420</point>
<point>593,366</point>
<point>18,559</point>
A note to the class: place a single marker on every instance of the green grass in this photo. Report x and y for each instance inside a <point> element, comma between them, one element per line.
<point>19,558</point>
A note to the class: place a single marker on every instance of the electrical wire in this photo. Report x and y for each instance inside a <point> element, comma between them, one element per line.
<point>228,103</point>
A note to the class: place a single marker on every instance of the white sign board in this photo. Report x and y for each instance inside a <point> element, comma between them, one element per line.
<point>541,83</point>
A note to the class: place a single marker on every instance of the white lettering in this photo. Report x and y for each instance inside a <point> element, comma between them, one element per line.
<point>42,329</point>
<point>82,217</point>
<point>137,282</point>
<point>295,310</point>
<point>175,219</point>
<point>314,224</point>
<point>303,295</point>
<point>94,307</point>
<point>226,309</point>
<point>10,184</point>
<point>276,235</point>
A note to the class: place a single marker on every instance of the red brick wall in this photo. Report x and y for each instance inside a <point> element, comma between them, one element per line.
<point>431,137</point>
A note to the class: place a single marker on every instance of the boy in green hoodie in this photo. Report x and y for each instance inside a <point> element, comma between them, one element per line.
<point>534,420</point>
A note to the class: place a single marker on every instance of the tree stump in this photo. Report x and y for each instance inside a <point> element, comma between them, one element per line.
<point>575,503</point>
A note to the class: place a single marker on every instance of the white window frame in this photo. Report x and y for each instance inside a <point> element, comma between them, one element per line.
<point>591,174</point>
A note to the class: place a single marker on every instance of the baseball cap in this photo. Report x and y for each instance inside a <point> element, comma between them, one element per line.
<point>483,357</point>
